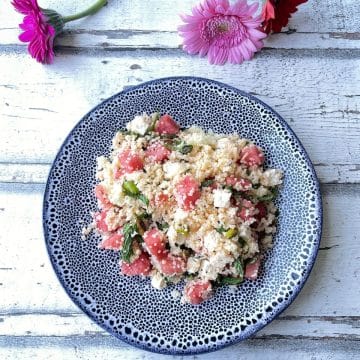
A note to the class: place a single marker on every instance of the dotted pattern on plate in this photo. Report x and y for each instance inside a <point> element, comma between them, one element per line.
<point>130,308</point>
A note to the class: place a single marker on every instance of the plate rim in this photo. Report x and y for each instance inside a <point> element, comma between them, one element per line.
<point>255,327</point>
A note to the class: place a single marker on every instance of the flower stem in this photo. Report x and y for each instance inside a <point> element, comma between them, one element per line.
<point>89,11</point>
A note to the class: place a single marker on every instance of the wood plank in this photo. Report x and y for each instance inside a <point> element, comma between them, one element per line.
<point>333,29</point>
<point>24,173</point>
<point>77,324</point>
<point>321,106</point>
<point>162,15</point>
<point>145,39</point>
<point>30,285</point>
<point>99,348</point>
<point>37,173</point>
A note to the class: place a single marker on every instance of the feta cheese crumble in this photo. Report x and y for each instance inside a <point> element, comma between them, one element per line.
<point>185,204</point>
<point>222,198</point>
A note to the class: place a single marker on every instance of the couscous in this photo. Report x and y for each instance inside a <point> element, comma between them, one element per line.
<point>185,204</point>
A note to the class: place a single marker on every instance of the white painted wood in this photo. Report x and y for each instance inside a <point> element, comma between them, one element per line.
<point>37,173</point>
<point>317,94</point>
<point>77,324</point>
<point>99,348</point>
<point>318,28</point>
<point>313,17</point>
<point>24,173</point>
<point>145,39</point>
<point>27,279</point>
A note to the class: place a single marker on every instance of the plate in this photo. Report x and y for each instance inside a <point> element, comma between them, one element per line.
<point>129,308</point>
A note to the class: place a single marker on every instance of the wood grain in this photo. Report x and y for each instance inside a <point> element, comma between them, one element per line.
<point>152,39</point>
<point>99,347</point>
<point>27,173</point>
<point>156,28</point>
<point>311,28</point>
<point>78,324</point>
<point>320,102</point>
<point>162,15</point>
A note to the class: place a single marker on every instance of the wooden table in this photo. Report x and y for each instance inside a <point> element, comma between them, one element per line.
<point>311,77</point>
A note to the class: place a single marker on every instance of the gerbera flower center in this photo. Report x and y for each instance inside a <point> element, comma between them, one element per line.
<point>223,30</point>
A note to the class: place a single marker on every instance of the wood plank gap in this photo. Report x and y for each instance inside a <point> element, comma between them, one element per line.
<point>98,51</point>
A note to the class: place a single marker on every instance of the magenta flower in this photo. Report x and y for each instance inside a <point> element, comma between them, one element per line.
<point>40,27</point>
<point>222,31</point>
<point>37,31</point>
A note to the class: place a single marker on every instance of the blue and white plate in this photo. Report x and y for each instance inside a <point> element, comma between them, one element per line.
<point>129,308</point>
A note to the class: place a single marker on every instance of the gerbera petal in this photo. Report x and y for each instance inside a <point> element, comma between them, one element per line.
<point>244,51</point>
<point>222,6</point>
<point>278,16</point>
<point>257,34</point>
<point>252,23</point>
<point>193,47</point>
<point>248,43</point>
<point>37,32</point>
<point>204,50</point>
<point>235,56</point>
<point>25,6</point>
<point>212,55</point>
<point>222,31</point>
<point>188,27</point>
<point>222,56</point>
<point>239,8</point>
<point>253,8</point>
<point>191,37</point>
<point>26,36</point>
<point>258,43</point>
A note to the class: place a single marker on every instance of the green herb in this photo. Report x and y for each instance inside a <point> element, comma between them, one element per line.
<point>270,196</point>
<point>220,229</point>
<point>162,226</point>
<point>169,279</point>
<point>231,233</point>
<point>242,240</point>
<point>239,268</point>
<point>155,119</point>
<point>176,144</point>
<point>138,238</point>
<point>144,199</point>
<point>253,260</point>
<point>234,191</point>
<point>130,232</point>
<point>144,216</point>
<point>229,187</point>
<point>183,230</point>
<point>230,280</point>
<point>207,182</point>
<point>184,148</point>
<point>130,189</point>
<point>189,276</point>
<point>127,132</point>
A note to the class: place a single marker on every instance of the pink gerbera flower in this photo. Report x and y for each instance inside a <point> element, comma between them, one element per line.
<point>222,31</point>
<point>37,31</point>
<point>40,27</point>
